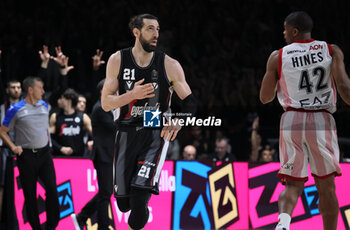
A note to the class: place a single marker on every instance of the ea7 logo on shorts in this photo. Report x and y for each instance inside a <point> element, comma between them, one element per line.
<point>222,190</point>
<point>151,118</point>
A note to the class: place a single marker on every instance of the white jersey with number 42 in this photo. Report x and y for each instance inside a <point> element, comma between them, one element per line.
<point>304,74</point>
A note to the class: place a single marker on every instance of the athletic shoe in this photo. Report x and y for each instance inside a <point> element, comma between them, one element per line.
<point>280,227</point>
<point>78,223</point>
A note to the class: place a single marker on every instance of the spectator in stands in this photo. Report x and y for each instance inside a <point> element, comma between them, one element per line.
<point>267,154</point>
<point>221,153</point>
<point>54,73</point>
<point>13,95</point>
<point>200,143</point>
<point>81,105</point>
<point>68,125</point>
<point>260,152</point>
<point>189,153</point>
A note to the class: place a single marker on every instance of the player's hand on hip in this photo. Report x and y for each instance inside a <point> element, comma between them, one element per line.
<point>142,91</point>
<point>170,131</point>
<point>17,150</point>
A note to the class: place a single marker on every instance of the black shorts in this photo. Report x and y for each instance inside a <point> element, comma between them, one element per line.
<point>139,157</point>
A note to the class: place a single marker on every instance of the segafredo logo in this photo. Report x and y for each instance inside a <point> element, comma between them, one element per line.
<point>153,118</point>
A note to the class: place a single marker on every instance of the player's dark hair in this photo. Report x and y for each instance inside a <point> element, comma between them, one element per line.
<point>30,82</point>
<point>300,20</point>
<point>137,21</point>
<point>72,95</point>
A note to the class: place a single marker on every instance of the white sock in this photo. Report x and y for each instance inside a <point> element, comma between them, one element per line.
<point>284,219</point>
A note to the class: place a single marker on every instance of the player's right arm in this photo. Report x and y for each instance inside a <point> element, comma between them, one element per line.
<point>342,80</point>
<point>109,98</point>
<point>269,82</point>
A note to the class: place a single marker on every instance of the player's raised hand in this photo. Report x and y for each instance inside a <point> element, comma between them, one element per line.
<point>142,91</point>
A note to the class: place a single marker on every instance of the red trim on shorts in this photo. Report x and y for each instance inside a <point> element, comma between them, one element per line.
<point>328,175</point>
<point>305,110</point>
<point>330,49</point>
<point>140,162</point>
<point>285,176</point>
<point>304,41</point>
<point>280,62</point>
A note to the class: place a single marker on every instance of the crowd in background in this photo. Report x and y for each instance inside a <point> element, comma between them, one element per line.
<point>222,45</point>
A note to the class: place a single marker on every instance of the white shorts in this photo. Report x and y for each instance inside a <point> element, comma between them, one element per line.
<point>308,137</point>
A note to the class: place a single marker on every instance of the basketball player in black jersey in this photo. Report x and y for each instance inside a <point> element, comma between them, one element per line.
<point>68,126</point>
<point>140,78</point>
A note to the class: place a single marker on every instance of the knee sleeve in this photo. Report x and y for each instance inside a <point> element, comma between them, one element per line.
<point>123,204</point>
<point>139,209</point>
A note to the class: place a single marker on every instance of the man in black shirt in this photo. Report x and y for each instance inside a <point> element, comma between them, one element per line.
<point>103,134</point>
<point>221,150</point>
<point>68,125</point>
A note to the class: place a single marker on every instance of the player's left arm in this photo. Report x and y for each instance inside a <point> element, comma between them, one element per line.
<point>176,77</point>
<point>269,82</point>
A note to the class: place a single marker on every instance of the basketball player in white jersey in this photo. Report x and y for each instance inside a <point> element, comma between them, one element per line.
<point>304,73</point>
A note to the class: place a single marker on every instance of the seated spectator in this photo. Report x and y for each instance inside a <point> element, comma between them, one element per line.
<point>200,143</point>
<point>221,153</point>
<point>267,154</point>
<point>81,105</point>
<point>261,151</point>
<point>189,153</point>
<point>68,125</point>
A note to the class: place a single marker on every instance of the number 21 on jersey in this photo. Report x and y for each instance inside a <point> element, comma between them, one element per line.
<point>129,74</point>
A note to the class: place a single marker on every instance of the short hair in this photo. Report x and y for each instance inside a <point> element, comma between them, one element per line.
<point>100,85</point>
<point>300,20</point>
<point>30,82</point>
<point>11,82</point>
<point>137,21</point>
<point>72,95</point>
<point>219,139</point>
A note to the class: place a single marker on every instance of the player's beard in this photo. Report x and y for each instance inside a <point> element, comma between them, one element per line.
<point>146,45</point>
